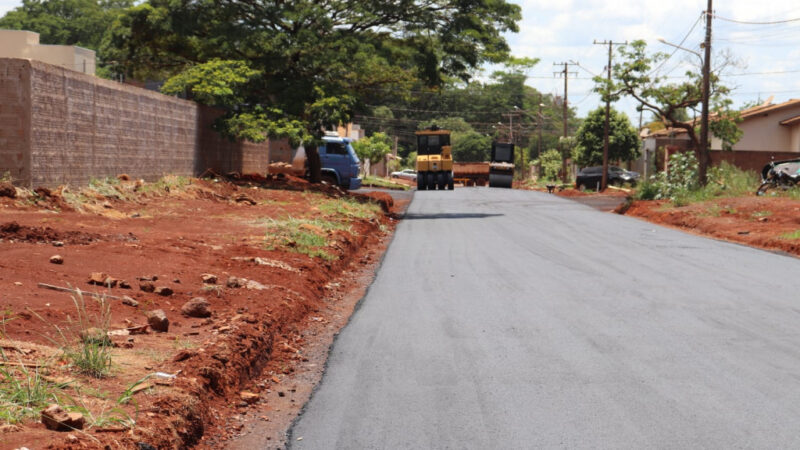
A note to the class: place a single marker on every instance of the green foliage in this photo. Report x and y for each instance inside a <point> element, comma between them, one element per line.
<point>471,147</point>
<point>634,76</point>
<point>551,164</point>
<point>453,124</point>
<point>373,148</point>
<point>794,235</point>
<point>623,141</point>
<point>23,393</point>
<point>217,82</point>
<point>84,23</point>
<point>410,160</point>
<point>675,184</point>
<point>313,64</point>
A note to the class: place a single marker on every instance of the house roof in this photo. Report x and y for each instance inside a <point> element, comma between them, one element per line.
<point>791,121</point>
<point>768,108</point>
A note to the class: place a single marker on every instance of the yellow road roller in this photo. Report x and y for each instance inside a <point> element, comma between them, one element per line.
<point>434,160</point>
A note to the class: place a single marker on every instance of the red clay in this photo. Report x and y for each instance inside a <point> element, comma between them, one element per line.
<point>207,227</point>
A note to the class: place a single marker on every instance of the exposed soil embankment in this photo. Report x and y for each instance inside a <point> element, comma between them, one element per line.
<point>241,270</point>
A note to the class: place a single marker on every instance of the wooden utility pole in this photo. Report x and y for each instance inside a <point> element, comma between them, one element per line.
<point>704,155</point>
<point>565,73</point>
<point>604,180</point>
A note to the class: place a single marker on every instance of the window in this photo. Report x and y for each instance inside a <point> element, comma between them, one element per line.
<point>335,148</point>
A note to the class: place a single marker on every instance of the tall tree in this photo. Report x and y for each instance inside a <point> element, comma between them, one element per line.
<point>635,76</point>
<point>623,140</point>
<point>315,62</point>
<point>68,22</point>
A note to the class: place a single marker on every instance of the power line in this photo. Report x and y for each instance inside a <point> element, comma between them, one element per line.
<point>691,30</point>
<point>744,22</point>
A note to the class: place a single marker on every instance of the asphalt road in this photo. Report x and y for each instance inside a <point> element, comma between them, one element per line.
<point>514,319</point>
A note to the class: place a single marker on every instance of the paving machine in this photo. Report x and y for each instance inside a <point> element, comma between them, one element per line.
<point>434,160</point>
<point>501,169</point>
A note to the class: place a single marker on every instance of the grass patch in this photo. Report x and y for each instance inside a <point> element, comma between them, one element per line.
<point>6,177</point>
<point>306,236</point>
<point>23,393</point>
<point>791,236</point>
<point>760,214</point>
<point>382,182</point>
<point>167,183</point>
<point>350,208</point>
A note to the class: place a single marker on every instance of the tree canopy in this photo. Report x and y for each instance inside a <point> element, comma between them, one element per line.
<point>373,148</point>
<point>313,63</point>
<point>623,140</point>
<point>636,76</point>
<point>68,22</point>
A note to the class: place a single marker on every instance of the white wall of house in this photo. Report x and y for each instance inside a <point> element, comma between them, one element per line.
<point>25,44</point>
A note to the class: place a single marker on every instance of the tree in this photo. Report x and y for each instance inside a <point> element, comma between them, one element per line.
<point>551,164</point>
<point>373,148</point>
<point>634,76</point>
<point>316,62</point>
<point>623,140</point>
<point>471,147</point>
<point>68,22</point>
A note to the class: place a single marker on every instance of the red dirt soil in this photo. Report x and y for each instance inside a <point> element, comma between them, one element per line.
<point>767,222</point>
<point>177,235</point>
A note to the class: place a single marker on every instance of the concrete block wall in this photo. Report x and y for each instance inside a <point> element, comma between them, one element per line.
<point>81,127</point>
<point>15,116</point>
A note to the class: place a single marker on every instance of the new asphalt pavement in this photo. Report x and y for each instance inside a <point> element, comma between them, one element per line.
<point>515,319</point>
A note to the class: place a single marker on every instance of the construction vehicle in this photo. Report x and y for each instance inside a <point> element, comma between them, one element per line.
<point>434,160</point>
<point>501,168</point>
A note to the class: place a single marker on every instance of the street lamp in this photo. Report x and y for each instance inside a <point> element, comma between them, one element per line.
<point>682,48</point>
<point>705,63</point>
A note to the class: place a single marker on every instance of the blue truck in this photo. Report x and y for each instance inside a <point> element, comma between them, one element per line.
<point>340,165</point>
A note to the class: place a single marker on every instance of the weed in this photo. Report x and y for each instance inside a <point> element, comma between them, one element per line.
<point>167,183</point>
<point>6,177</point>
<point>215,288</point>
<point>301,236</point>
<point>791,236</point>
<point>91,354</point>
<point>382,182</point>
<point>759,214</point>
<point>350,208</point>
<point>23,391</point>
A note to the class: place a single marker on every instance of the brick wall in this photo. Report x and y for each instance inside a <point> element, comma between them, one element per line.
<point>15,138</point>
<point>83,127</point>
<point>749,159</point>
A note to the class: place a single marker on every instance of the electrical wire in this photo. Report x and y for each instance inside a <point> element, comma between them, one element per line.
<point>745,22</point>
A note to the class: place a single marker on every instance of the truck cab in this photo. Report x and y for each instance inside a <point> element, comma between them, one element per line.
<point>340,165</point>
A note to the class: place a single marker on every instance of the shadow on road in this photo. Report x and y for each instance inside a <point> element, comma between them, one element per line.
<point>449,216</point>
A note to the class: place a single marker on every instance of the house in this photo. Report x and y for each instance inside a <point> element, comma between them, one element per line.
<point>25,45</point>
<point>768,131</point>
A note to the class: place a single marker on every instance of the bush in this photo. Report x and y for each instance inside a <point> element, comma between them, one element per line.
<point>681,187</point>
<point>551,164</point>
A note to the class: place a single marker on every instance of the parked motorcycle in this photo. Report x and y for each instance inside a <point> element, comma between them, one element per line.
<point>781,175</point>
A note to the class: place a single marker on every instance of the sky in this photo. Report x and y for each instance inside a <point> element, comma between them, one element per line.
<point>564,30</point>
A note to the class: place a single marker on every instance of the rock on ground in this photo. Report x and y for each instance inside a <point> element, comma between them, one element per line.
<point>55,418</point>
<point>196,307</point>
<point>158,321</point>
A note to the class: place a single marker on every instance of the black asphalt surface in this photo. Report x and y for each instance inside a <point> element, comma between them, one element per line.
<point>516,319</point>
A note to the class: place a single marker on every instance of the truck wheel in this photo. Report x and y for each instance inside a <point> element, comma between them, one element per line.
<point>330,179</point>
<point>450,184</point>
<point>441,180</point>
<point>431,181</point>
<point>421,181</point>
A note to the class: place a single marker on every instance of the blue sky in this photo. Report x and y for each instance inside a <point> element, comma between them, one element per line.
<point>563,30</point>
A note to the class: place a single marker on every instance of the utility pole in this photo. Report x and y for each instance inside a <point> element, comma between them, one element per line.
<point>604,180</point>
<point>539,152</point>
<point>565,73</point>
<point>704,152</point>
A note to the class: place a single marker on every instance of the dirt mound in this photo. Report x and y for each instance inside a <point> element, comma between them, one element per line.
<point>382,198</point>
<point>8,190</point>
<point>17,232</point>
